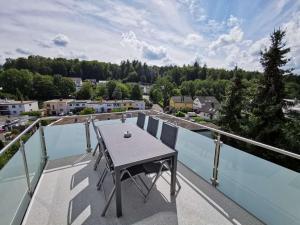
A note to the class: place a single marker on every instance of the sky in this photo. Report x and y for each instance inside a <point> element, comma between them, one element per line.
<point>220,33</point>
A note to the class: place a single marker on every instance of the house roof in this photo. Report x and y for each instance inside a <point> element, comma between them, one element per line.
<point>203,99</point>
<point>13,102</point>
<point>59,100</point>
<point>184,99</point>
<point>209,104</point>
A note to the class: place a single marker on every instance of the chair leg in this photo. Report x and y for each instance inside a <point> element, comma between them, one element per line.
<point>98,160</point>
<point>109,200</point>
<point>158,174</point>
<point>143,182</point>
<point>95,150</point>
<point>101,180</point>
<point>134,181</point>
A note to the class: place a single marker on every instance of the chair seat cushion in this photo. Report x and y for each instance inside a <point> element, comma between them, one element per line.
<point>134,170</point>
<point>153,167</point>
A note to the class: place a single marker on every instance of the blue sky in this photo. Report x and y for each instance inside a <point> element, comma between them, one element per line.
<point>220,33</point>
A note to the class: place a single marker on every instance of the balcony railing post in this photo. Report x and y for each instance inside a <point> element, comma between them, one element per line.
<point>88,136</point>
<point>214,178</point>
<point>22,149</point>
<point>43,142</point>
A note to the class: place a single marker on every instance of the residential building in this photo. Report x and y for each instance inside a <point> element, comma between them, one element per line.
<point>181,102</point>
<point>145,89</point>
<point>15,108</point>
<point>93,81</point>
<point>77,81</point>
<point>99,106</point>
<point>64,106</point>
<point>291,105</point>
<point>102,81</point>
<point>56,107</point>
<point>206,106</point>
<point>124,104</point>
<point>77,105</point>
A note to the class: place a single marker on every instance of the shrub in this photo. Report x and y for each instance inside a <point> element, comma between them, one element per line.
<point>180,114</point>
<point>87,111</point>
<point>33,113</point>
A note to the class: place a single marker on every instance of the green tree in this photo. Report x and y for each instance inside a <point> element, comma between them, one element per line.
<point>101,91</point>
<point>231,109</point>
<point>12,80</point>
<point>155,95</point>
<point>110,86</point>
<point>43,87</point>
<point>267,118</point>
<point>85,92</point>
<point>166,87</point>
<point>117,93</point>
<point>136,93</point>
<point>65,86</point>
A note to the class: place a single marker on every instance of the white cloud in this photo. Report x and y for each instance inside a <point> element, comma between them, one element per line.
<point>148,51</point>
<point>293,41</point>
<point>23,51</point>
<point>162,31</point>
<point>153,53</point>
<point>259,46</point>
<point>232,21</point>
<point>61,40</point>
<point>235,35</point>
<point>193,40</point>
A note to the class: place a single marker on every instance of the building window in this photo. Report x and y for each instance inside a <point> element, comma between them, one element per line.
<point>48,105</point>
<point>14,112</point>
<point>61,110</point>
<point>77,104</point>
<point>70,104</point>
<point>20,106</point>
<point>29,104</point>
<point>13,106</point>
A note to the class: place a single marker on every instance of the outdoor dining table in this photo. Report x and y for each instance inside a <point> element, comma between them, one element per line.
<point>140,148</point>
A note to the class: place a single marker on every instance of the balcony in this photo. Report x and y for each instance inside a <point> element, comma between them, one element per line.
<point>218,185</point>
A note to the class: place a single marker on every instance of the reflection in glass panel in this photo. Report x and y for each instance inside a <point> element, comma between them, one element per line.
<point>269,191</point>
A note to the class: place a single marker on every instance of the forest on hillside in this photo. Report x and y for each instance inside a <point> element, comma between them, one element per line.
<point>42,78</point>
<point>126,71</point>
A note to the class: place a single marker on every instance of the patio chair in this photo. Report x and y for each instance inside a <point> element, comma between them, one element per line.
<point>98,147</point>
<point>141,120</point>
<point>169,138</point>
<point>152,126</point>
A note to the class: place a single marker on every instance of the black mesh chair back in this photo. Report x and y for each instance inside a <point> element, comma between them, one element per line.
<point>141,120</point>
<point>169,134</point>
<point>152,126</point>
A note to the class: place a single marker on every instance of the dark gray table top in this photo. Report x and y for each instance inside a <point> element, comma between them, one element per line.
<point>140,147</point>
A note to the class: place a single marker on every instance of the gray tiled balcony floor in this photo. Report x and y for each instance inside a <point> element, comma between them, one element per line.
<point>66,194</point>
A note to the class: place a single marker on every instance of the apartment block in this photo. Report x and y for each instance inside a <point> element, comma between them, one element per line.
<point>15,108</point>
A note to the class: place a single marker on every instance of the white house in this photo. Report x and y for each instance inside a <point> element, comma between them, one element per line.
<point>206,106</point>
<point>99,106</point>
<point>77,81</point>
<point>93,81</point>
<point>77,105</point>
<point>291,105</point>
<point>15,108</point>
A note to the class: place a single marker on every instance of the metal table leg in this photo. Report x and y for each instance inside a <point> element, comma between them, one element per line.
<point>173,175</point>
<point>118,192</point>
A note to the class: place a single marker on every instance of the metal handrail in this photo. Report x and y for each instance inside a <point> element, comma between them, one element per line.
<point>256,143</point>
